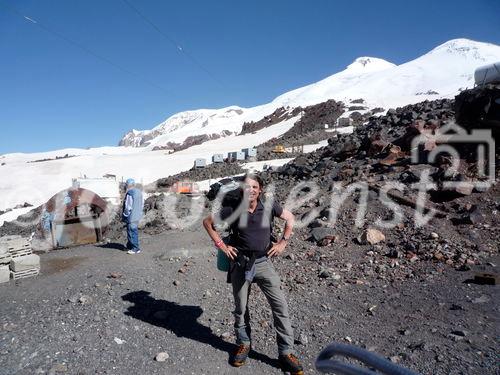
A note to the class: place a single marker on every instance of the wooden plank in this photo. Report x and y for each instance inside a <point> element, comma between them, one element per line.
<point>24,274</point>
<point>14,250</point>
<point>20,253</point>
<point>5,259</point>
<point>15,244</point>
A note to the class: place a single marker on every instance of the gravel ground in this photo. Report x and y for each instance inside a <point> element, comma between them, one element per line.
<point>97,310</point>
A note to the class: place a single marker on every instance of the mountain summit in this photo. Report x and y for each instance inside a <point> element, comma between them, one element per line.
<point>468,49</point>
<point>368,64</point>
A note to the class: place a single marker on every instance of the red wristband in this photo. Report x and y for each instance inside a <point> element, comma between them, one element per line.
<point>219,243</point>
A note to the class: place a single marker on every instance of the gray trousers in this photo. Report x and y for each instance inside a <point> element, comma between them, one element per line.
<point>269,282</point>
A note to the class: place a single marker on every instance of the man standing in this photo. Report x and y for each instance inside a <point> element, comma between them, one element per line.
<point>249,255</point>
<point>133,206</point>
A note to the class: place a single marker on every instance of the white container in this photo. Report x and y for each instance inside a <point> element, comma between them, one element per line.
<point>217,158</point>
<point>487,74</point>
<point>200,163</point>
<point>237,155</point>
<point>250,152</point>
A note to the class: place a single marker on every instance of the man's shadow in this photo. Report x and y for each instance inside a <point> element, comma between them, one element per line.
<point>181,320</point>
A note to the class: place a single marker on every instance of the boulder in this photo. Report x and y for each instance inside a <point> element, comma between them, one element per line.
<point>318,234</point>
<point>371,236</point>
<point>328,240</point>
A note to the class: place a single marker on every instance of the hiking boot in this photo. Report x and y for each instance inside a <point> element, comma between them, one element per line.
<point>290,363</point>
<point>240,355</point>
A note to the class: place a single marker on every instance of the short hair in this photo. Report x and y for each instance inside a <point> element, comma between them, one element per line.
<point>255,177</point>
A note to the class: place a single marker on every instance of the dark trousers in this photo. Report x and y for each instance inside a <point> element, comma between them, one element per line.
<point>269,282</point>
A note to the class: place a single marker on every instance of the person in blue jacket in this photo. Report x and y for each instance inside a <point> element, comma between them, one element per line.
<point>133,206</point>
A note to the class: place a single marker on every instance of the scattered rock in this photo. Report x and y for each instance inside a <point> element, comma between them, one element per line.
<point>461,333</point>
<point>325,273</point>
<point>371,236</point>
<point>371,310</point>
<point>482,299</point>
<point>162,357</point>
<point>394,253</point>
<point>207,294</point>
<point>395,359</point>
<point>319,234</point>
<point>85,300</point>
<point>419,346</point>
<point>326,241</point>
<point>476,217</point>
<point>302,339</point>
<point>59,368</point>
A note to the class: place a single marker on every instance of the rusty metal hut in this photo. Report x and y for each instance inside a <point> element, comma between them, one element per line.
<point>77,216</point>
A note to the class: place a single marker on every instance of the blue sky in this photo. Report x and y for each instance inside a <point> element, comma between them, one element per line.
<point>54,94</point>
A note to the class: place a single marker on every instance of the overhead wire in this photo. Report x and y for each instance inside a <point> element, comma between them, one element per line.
<point>84,48</point>
<point>172,41</point>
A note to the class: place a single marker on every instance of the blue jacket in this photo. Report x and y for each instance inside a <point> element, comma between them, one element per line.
<point>133,206</point>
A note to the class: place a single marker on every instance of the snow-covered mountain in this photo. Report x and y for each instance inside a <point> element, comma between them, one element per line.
<point>34,178</point>
<point>440,73</point>
<point>183,123</point>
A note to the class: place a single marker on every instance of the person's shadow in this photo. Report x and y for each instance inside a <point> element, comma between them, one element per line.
<point>181,320</point>
<point>113,245</point>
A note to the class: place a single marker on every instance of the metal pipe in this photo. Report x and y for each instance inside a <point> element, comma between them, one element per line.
<point>325,363</point>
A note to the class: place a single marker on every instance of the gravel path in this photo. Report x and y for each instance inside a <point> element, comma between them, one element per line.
<point>97,310</point>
